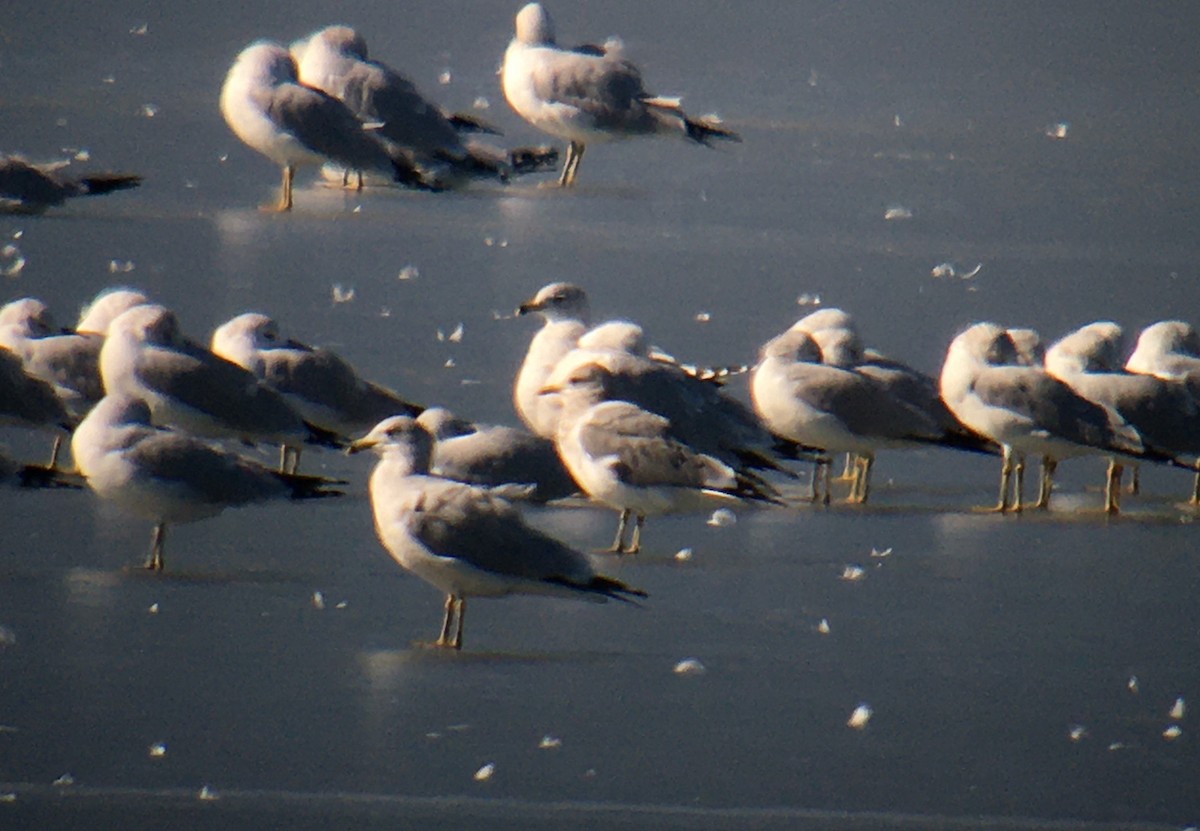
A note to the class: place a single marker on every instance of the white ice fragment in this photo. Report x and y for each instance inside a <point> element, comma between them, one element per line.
<point>449,363</point>
<point>445,78</point>
<point>342,294</point>
<point>549,742</point>
<point>489,241</point>
<point>1178,710</point>
<point>1076,732</point>
<point>852,573</point>
<point>1058,130</point>
<point>485,772</point>
<point>140,29</point>
<point>823,626</point>
<point>967,275</point>
<point>12,262</point>
<point>409,272</point>
<point>153,609</point>
<point>224,157</point>
<point>896,120</point>
<point>812,77</point>
<point>943,270</point>
<point>887,552</point>
<point>722,518</point>
<point>683,555</point>
<point>357,209</point>
<point>1173,732</point>
<point>433,735</point>
<point>158,750</point>
<point>481,103</point>
<point>120,266</point>
<point>1116,745</point>
<point>108,79</point>
<point>83,155</point>
<point>895,212</point>
<point>504,243</point>
<point>1132,683</point>
<point>149,110</point>
<point>318,600</point>
<point>8,797</point>
<point>457,335</point>
<point>703,317</point>
<point>18,234</point>
<point>384,311</point>
<point>64,780</point>
<point>458,728</point>
<point>206,794</point>
<point>808,300</point>
<point>861,715</point>
<point>689,666</point>
<point>341,604</point>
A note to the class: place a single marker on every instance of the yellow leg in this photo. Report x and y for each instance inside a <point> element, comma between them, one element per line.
<point>1112,488</point>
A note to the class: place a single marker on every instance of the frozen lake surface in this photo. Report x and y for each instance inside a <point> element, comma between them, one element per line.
<point>1020,670</point>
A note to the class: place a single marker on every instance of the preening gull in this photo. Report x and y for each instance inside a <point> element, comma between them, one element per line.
<point>267,107</point>
<point>1024,409</point>
<point>464,540</point>
<point>322,387</point>
<point>591,94</point>
<point>27,188</point>
<point>188,387</point>
<point>630,459</point>
<point>170,477</point>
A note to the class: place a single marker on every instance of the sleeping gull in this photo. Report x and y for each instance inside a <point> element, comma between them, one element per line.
<point>629,459</point>
<point>587,95</point>
<point>29,402</point>
<point>68,361</point>
<point>840,406</point>
<point>291,124</point>
<point>170,477</point>
<point>464,540</point>
<point>105,307</point>
<point>1024,409</point>
<point>320,385</point>
<point>27,188</point>
<point>1168,349</point>
<point>335,61</point>
<point>492,455</point>
<point>188,387</point>
<point>1162,410</point>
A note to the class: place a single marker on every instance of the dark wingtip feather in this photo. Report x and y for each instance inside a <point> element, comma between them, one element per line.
<point>98,184</point>
<point>704,132</point>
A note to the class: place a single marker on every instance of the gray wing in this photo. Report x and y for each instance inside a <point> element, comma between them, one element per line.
<point>606,87</point>
<point>26,399</point>
<point>31,188</point>
<point>209,384</point>
<point>866,407</point>
<point>1163,412</point>
<point>324,125</point>
<point>211,475</point>
<point>1048,403</point>
<point>643,454</point>
<point>326,379</point>
<point>72,364</point>
<point>379,94</point>
<point>500,455</point>
<point>468,524</point>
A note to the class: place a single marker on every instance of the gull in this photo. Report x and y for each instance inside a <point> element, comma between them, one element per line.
<point>30,402</point>
<point>1162,410</point>
<point>464,540</point>
<point>188,387</point>
<point>1024,409</point>
<point>589,94</point>
<point>170,477</point>
<point>494,455</point>
<point>564,308</point>
<point>319,384</point>
<point>335,61</point>
<point>68,361</point>
<point>267,107</point>
<point>847,407</point>
<point>105,307</point>
<point>1168,349</point>
<point>27,188</point>
<point>629,459</point>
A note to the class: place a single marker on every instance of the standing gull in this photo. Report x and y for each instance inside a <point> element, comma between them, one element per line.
<point>267,107</point>
<point>462,539</point>
<point>68,361</point>
<point>27,188</point>
<point>188,387</point>
<point>629,458</point>
<point>26,401</point>
<point>564,308</point>
<point>322,387</point>
<point>170,477</point>
<point>1024,409</point>
<point>588,94</point>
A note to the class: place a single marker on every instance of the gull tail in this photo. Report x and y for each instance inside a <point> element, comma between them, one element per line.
<point>755,489</point>
<point>532,159</point>
<point>703,131</point>
<point>464,123</point>
<point>39,476</point>
<point>98,184</point>
<point>606,587</point>
<point>310,487</point>
<point>406,173</point>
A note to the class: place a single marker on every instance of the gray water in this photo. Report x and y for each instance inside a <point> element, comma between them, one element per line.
<point>980,642</point>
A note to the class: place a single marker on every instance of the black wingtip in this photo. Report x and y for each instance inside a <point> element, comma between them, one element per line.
<point>98,184</point>
<point>321,437</point>
<point>40,476</point>
<point>703,132</point>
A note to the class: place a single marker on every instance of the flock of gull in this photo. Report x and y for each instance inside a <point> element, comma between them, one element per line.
<point>150,410</point>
